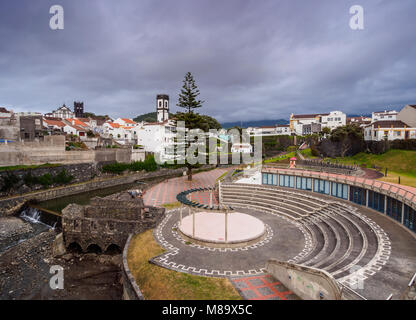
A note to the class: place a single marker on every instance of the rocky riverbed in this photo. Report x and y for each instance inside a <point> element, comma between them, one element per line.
<point>25,272</point>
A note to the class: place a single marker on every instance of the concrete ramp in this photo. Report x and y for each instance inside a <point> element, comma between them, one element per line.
<point>305,282</point>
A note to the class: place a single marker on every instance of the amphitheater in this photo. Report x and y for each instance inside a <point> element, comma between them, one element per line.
<point>355,235</point>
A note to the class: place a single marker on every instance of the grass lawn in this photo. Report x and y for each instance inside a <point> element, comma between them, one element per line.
<point>158,283</point>
<point>398,162</point>
<point>407,180</point>
<point>26,167</point>
<point>280,158</point>
<point>173,205</point>
<point>307,153</point>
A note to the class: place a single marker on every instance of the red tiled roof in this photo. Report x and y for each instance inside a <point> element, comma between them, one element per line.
<point>389,124</point>
<point>78,128</point>
<point>114,125</point>
<point>54,122</point>
<point>128,121</point>
<point>302,116</point>
<point>76,122</point>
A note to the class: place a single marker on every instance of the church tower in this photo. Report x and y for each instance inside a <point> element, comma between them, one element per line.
<point>162,107</point>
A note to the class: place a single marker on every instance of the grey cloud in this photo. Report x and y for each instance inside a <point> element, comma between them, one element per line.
<point>251,59</point>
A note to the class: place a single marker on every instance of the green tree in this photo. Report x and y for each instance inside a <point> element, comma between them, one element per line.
<point>188,100</point>
<point>192,121</point>
<point>347,136</point>
<point>325,131</point>
<point>189,94</point>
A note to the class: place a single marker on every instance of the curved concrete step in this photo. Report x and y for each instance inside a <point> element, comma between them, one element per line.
<point>342,241</point>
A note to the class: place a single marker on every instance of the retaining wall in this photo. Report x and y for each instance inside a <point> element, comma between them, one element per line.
<point>306,282</point>
<point>8,205</point>
<point>131,290</point>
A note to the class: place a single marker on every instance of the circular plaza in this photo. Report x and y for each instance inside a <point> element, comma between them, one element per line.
<point>340,232</point>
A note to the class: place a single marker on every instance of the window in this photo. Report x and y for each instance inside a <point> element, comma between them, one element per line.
<point>304,183</point>
<point>286,181</point>
<point>394,209</point>
<point>321,186</point>
<point>376,201</point>
<point>77,225</point>
<point>269,179</point>
<point>357,195</point>
<point>340,190</point>
<point>398,133</point>
<point>410,218</point>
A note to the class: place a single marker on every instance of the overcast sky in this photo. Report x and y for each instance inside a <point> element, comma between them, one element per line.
<point>251,60</point>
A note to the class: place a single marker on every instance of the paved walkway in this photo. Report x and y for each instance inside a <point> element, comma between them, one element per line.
<point>167,191</point>
<point>284,239</point>
<point>263,287</point>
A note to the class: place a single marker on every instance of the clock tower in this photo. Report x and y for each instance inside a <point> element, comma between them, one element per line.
<point>162,107</point>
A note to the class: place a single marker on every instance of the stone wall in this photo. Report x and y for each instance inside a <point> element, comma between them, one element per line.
<point>131,290</point>
<point>106,222</point>
<point>81,172</point>
<point>52,150</point>
<point>9,205</point>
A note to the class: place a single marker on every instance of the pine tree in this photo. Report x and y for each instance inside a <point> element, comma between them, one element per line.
<point>189,94</point>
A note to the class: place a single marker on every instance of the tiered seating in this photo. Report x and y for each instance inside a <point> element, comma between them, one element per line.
<point>293,205</point>
<point>341,238</point>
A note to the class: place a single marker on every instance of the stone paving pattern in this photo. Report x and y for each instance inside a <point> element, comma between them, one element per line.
<point>167,191</point>
<point>263,287</point>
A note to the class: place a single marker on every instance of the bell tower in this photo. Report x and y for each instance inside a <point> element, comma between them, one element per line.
<point>162,107</point>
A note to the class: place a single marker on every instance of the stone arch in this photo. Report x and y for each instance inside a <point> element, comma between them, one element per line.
<point>75,246</point>
<point>113,249</point>
<point>94,248</point>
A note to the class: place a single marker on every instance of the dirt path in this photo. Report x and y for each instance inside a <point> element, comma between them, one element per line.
<point>371,174</point>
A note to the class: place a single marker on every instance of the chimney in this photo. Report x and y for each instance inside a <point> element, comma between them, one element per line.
<point>73,122</point>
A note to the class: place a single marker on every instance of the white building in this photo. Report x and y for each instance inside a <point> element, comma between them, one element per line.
<point>388,130</point>
<point>63,112</point>
<point>333,120</point>
<point>386,115</point>
<point>279,129</point>
<point>242,148</point>
<point>125,122</point>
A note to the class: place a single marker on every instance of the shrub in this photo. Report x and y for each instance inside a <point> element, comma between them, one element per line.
<point>62,177</point>
<point>45,180</point>
<point>115,167</point>
<point>9,181</point>
<point>29,179</point>
<point>149,164</point>
<point>314,151</point>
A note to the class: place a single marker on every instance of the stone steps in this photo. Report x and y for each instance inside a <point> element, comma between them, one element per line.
<point>342,240</point>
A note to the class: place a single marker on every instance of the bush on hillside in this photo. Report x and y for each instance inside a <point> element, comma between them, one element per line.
<point>149,164</point>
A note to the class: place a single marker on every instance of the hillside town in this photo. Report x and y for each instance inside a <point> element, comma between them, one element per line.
<point>20,127</point>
